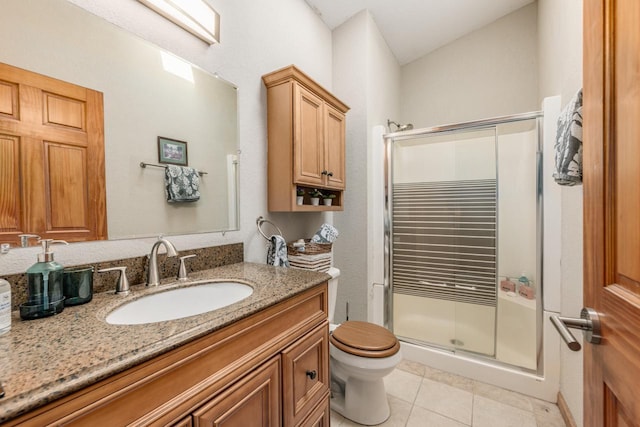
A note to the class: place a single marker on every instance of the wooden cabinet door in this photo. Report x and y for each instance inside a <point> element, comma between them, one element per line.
<point>308,138</point>
<point>305,375</point>
<point>187,422</point>
<point>334,147</point>
<point>306,135</point>
<point>51,158</point>
<point>611,209</point>
<point>253,401</point>
<point>320,417</point>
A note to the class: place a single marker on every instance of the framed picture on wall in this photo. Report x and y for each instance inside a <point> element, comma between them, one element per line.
<point>172,151</point>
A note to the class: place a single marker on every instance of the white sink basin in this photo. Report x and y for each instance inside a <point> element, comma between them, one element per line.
<point>179,303</point>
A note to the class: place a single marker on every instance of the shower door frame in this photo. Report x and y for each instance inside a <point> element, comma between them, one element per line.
<point>389,140</point>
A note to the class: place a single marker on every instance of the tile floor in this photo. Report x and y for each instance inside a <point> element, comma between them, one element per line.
<point>421,396</point>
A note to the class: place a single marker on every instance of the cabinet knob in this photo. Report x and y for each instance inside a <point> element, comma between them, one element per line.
<point>312,374</point>
<point>324,172</point>
<point>330,174</point>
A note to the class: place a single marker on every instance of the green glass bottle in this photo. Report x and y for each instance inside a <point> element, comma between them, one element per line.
<point>44,285</point>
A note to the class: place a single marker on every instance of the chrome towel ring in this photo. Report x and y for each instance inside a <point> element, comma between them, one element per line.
<point>260,220</point>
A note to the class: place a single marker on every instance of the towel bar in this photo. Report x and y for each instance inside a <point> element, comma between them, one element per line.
<point>144,165</point>
<point>260,220</point>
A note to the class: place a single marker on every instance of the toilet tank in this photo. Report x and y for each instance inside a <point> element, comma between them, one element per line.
<point>333,291</point>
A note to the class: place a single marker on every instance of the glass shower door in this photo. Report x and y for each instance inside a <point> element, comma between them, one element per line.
<point>444,238</point>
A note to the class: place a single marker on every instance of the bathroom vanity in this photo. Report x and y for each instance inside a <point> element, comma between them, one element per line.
<point>261,361</point>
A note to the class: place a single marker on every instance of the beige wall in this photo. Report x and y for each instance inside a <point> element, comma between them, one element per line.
<point>560,73</point>
<point>256,38</point>
<point>454,84</point>
<point>161,103</point>
<point>366,75</point>
<point>368,78</point>
<point>511,63</point>
<point>489,72</point>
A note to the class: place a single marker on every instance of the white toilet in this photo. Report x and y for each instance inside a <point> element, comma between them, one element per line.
<point>361,355</point>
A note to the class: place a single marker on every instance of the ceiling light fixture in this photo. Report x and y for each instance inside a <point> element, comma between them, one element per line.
<point>195,16</point>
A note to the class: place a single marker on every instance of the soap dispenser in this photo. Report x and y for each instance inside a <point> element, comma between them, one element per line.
<point>44,290</point>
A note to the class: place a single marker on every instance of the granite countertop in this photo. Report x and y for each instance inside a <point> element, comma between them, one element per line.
<point>45,359</point>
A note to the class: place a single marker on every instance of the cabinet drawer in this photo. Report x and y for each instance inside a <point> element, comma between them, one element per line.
<point>305,375</point>
<point>320,416</point>
<point>252,401</point>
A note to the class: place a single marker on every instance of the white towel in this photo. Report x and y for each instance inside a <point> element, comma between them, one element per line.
<point>569,143</point>
<point>181,184</point>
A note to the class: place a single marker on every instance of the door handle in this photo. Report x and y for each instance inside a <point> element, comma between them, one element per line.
<point>589,323</point>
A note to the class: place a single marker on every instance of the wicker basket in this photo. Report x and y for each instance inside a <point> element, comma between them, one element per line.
<point>310,248</point>
<point>316,256</point>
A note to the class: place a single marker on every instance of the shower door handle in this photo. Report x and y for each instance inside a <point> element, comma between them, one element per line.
<point>589,323</point>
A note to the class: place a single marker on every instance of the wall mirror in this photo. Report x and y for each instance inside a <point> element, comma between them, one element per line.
<point>147,93</point>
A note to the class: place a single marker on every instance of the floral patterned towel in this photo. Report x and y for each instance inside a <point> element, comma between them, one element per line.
<point>277,253</point>
<point>569,143</point>
<point>181,184</point>
<point>326,234</point>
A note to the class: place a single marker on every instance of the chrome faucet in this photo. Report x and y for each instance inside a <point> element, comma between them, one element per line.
<point>152,273</point>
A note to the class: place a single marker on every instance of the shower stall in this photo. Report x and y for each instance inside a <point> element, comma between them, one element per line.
<point>463,239</point>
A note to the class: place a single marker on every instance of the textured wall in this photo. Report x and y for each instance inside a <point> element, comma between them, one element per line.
<point>560,73</point>
<point>350,254</point>
<point>366,76</point>
<point>256,38</point>
<point>489,72</point>
<point>383,103</point>
<point>160,104</point>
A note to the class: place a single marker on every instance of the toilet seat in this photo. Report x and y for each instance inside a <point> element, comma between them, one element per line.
<point>365,339</point>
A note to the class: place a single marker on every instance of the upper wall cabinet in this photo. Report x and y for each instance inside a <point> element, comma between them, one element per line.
<point>306,131</point>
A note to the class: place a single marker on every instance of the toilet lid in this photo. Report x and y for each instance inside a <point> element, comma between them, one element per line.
<point>365,339</point>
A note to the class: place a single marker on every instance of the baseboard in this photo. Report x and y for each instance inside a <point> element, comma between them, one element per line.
<point>565,412</point>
